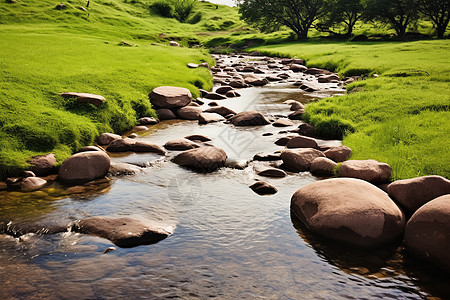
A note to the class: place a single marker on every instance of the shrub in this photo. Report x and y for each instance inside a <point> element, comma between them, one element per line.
<point>183,9</point>
<point>195,18</point>
<point>162,9</point>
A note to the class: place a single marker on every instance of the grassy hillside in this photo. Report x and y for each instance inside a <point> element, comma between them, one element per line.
<point>45,51</point>
<point>402,117</point>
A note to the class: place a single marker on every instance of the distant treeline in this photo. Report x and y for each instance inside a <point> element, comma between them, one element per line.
<point>332,15</point>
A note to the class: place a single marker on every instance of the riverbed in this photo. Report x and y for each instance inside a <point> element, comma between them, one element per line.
<point>228,241</point>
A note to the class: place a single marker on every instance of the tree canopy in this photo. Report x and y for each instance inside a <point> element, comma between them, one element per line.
<point>298,15</point>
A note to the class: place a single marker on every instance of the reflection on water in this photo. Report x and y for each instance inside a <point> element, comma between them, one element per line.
<point>228,243</point>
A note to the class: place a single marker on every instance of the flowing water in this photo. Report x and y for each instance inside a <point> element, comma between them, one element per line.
<point>228,243</point>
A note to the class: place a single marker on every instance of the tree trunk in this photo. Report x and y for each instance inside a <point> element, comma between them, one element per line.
<point>440,31</point>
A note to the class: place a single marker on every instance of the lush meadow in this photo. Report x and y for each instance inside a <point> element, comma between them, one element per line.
<point>401,117</point>
<point>45,51</point>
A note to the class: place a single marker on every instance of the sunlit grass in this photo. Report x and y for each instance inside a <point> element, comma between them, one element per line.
<point>402,117</point>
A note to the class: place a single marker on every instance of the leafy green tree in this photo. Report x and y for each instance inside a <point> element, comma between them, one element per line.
<point>298,15</point>
<point>398,13</point>
<point>341,13</point>
<point>438,11</point>
<point>182,9</point>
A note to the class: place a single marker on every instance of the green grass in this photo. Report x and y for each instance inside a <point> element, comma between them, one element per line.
<point>44,51</point>
<point>402,117</point>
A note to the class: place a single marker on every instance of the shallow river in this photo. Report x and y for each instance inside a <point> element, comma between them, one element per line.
<point>228,243</point>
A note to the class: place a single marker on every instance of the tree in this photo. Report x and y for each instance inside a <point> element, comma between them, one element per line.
<point>398,13</point>
<point>346,12</point>
<point>439,13</point>
<point>298,15</point>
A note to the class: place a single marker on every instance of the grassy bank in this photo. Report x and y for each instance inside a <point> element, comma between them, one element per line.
<point>45,51</point>
<point>401,117</point>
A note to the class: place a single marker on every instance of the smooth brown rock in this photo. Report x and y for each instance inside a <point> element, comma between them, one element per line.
<point>122,145</point>
<point>170,97</point>
<point>427,233</point>
<point>84,167</point>
<point>118,169</point>
<point>174,44</point>
<point>349,210</point>
<point>297,115</point>
<point>203,159</point>
<point>316,71</point>
<point>43,165</point>
<point>232,94</point>
<point>221,110</point>
<point>30,184</point>
<point>223,89</point>
<point>214,96</point>
<point>339,153</point>
<point>148,148</point>
<point>307,130</point>
<point>328,78</point>
<point>369,170</point>
<point>249,118</point>
<point>267,157</point>
<point>263,188</point>
<point>3,186</point>
<point>299,160</point>
<point>283,141</point>
<point>148,121</point>
<point>322,166</point>
<point>298,68</point>
<point>206,118</point>
<point>302,142</point>
<point>273,173</point>
<point>415,192</point>
<point>296,106</point>
<point>198,137</point>
<point>93,99</point>
<point>189,113</point>
<point>238,84</point>
<point>180,145</point>
<point>106,138</point>
<point>123,232</point>
<point>165,114</point>
<point>282,123</point>
<point>255,80</point>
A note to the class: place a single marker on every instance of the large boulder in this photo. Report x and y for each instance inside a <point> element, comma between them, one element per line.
<point>323,166</point>
<point>180,145</point>
<point>148,121</point>
<point>124,232</point>
<point>316,71</point>
<point>203,159</point>
<point>273,172</point>
<point>170,97</point>
<point>198,137</point>
<point>106,138</point>
<point>249,118</point>
<point>427,233</point>
<point>122,145</point>
<point>214,96</point>
<point>84,167</point>
<point>369,170</point>
<point>302,142</point>
<point>147,147</point>
<point>43,165</point>
<point>223,89</point>
<point>339,153</point>
<point>189,113</point>
<point>283,122</point>
<point>299,160</point>
<point>30,184</point>
<point>165,114</point>
<point>298,68</point>
<point>328,78</point>
<point>349,210</point>
<point>415,192</point>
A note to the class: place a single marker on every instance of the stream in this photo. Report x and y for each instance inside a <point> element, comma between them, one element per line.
<point>228,242</point>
